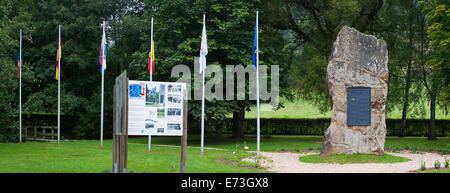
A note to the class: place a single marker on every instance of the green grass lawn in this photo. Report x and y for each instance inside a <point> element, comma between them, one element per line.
<point>436,171</point>
<point>297,143</point>
<point>352,159</point>
<point>86,156</point>
<point>304,109</point>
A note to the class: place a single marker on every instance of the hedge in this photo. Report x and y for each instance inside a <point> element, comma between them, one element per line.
<point>414,127</point>
<point>50,119</point>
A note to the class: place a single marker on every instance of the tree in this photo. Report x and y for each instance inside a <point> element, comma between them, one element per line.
<point>435,70</point>
<point>14,15</point>
<point>400,26</point>
<point>177,34</point>
<point>80,75</point>
<point>314,25</point>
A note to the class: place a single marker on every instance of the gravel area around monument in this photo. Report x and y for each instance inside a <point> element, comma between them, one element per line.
<point>288,162</point>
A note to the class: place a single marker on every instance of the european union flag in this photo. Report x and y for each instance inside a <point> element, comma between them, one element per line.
<point>255,40</point>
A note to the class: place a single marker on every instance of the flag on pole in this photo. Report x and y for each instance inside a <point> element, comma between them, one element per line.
<point>151,58</point>
<point>18,63</point>
<point>255,40</point>
<point>103,52</point>
<point>256,66</point>
<point>203,49</point>
<point>58,58</point>
<point>203,53</point>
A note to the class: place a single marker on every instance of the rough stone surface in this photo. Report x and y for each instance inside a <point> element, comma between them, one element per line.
<point>357,60</point>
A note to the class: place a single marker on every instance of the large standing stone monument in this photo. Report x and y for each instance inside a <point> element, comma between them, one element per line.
<point>357,77</point>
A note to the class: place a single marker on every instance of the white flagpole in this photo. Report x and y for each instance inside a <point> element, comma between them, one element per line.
<point>151,79</point>
<point>59,83</point>
<point>103,83</point>
<point>20,89</point>
<point>151,55</point>
<point>203,63</point>
<point>257,87</point>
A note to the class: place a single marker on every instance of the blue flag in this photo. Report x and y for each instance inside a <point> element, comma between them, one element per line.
<point>255,40</point>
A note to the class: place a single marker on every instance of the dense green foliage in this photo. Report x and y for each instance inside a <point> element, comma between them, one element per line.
<point>318,126</point>
<point>14,15</point>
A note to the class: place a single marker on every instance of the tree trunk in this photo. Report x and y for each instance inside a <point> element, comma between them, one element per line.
<point>219,129</point>
<point>238,123</point>
<point>432,130</point>
<point>407,80</point>
<point>405,100</point>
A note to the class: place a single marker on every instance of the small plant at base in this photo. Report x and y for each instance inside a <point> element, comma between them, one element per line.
<point>258,163</point>
<point>172,168</point>
<point>437,164</point>
<point>414,150</point>
<point>446,162</point>
<point>423,166</point>
<point>237,150</point>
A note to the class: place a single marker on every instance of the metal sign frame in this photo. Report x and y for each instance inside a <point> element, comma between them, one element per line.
<point>120,121</point>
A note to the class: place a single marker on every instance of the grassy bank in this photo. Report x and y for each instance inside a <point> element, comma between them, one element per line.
<point>304,109</point>
<point>353,159</point>
<point>87,156</point>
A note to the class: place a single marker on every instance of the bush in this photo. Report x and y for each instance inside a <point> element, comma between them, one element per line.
<point>437,164</point>
<point>423,166</point>
<point>415,127</point>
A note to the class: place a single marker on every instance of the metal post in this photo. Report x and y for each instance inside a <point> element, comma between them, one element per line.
<point>103,83</point>
<point>257,88</point>
<point>20,89</point>
<point>203,99</point>
<point>114,166</point>
<point>59,83</point>
<point>151,55</point>
<point>151,79</point>
<point>184,136</point>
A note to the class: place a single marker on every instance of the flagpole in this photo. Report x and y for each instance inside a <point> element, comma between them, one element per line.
<point>257,87</point>
<point>203,95</point>
<point>101,119</point>
<point>20,89</point>
<point>103,83</point>
<point>151,55</point>
<point>59,82</point>
<point>151,79</point>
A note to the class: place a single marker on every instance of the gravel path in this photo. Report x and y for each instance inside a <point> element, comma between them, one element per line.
<point>289,163</point>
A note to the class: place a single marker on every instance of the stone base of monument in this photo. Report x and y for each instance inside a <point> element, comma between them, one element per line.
<point>357,77</point>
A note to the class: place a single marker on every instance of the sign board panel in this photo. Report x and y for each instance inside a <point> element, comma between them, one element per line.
<point>358,106</point>
<point>120,80</point>
<point>155,108</point>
